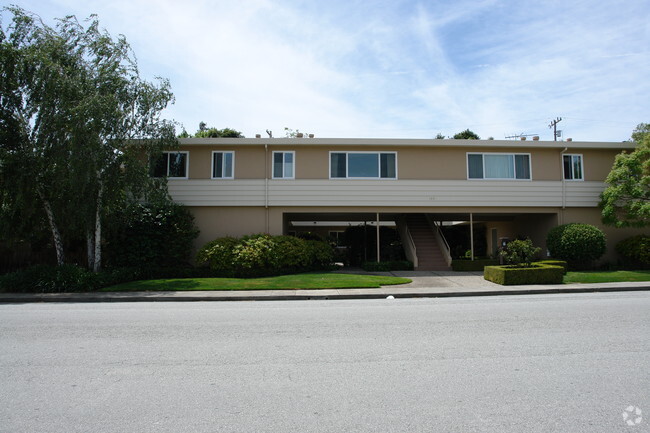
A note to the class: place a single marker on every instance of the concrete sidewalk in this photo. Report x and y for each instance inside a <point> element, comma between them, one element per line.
<point>424,285</point>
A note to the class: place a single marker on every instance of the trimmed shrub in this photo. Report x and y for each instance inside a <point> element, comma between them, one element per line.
<point>460,265</point>
<point>400,265</point>
<point>262,254</point>
<point>578,244</point>
<point>151,234</point>
<point>635,251</point>
<point>554,263</point>
<point>514,275</point>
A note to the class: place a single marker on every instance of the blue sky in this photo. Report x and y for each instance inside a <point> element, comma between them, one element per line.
<point>396,69</point>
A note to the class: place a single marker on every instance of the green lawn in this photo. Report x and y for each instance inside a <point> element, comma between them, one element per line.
<point>606,277</point>
<point>297,281</point>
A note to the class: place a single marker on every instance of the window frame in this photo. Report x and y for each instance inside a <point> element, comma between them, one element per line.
<point>232,152</point>
<point>293,162</point>
<point>582,167</point>
<point>166,154</point>
<point>347,165</point>
<point>514,161</point>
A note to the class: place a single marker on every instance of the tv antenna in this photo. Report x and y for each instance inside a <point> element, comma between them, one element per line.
<point>518,136</point>
<point>553,125</point>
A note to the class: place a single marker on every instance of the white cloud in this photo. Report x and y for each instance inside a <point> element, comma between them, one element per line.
<point>393,68</point>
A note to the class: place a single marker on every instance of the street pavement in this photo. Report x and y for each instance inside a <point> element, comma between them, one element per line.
<point>425,284</point>
<point>562,363</point>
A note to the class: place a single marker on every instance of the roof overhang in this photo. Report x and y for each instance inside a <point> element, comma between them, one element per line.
<point>404,142</point>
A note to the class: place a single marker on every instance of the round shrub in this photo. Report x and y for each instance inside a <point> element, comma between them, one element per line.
<point>635,250</point>
<point>579,244</point>
<point>218,254</point>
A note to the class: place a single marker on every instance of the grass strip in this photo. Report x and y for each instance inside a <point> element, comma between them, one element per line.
<point>282,282</point>
<point>606,277</point>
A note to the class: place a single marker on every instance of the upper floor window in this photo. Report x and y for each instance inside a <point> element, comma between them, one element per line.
<point>572,167</point>
<point>363,165</point>
<point>283,165</point>
<point>498,166</point>
<point>171,164</point>
<point>223,165</point>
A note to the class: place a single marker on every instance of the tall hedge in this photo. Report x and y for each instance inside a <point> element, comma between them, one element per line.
<point>577,243</point>
<point>262,254</point>
<point>151,234</point>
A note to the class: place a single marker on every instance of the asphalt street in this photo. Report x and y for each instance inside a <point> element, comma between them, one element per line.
<point>537,363</point>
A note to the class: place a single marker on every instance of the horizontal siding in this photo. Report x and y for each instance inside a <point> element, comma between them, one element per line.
<point>384,193</point>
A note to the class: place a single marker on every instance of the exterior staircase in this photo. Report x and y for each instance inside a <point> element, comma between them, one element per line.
<point>430,258</point>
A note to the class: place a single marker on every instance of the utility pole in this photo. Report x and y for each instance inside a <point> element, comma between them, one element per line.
<point>554,126</point>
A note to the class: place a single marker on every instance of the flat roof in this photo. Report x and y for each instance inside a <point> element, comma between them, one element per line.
<point>404,142</point>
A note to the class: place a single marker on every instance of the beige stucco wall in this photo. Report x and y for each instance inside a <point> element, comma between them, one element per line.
<point>312,162</point>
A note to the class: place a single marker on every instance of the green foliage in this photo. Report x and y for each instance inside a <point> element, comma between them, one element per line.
<point>72,104</point>
<point>466,135</point>
<point>636,251</point>
<point>626,200</point>
<point>291,133</point>
<point>400,265</point>
<point>151,234</point>
<point>459,265</point>
<point>49,279</point>
<point>207,132</point>
<point>262,254</point>
<point>512,275</point>
<point>578,244</point>
<point>520,252</point>
<point>562,263</point>
<point>440,136</point>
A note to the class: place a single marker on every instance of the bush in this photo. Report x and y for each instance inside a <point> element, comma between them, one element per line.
<point>578,244</point>
<point>262,254</point>
<point>50,279</point>
<point>636,251</point>
<point>151,234</point>
<point>519,252</point>
<point>400,265</point>
<point>562,263</point>
<point>513,275</point>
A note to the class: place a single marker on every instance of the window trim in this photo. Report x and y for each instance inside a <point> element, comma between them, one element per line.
<point>582,167</point>
<point>222,168</point>
<point>187,163</point>
<point>347,165</point>
<point>530,166</point>
<point>293,152</point>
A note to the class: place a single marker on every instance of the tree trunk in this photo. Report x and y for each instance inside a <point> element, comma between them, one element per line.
<point>56,235</point>
<point>90,247</point>
<point>97,265</point>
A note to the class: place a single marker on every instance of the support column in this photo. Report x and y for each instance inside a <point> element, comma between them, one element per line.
<point>378,247</point>
<point>471,233</point>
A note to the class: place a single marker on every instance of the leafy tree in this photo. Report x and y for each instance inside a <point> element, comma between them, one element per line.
<point>75,122</point>
<point>440,136</point>
<point>626,200</point>
<point>207,132</point>
<point>466,135</point>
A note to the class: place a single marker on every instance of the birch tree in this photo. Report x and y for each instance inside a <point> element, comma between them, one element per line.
<point>78,124</point>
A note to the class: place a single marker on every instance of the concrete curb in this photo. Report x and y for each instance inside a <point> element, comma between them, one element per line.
<point>325,294</point>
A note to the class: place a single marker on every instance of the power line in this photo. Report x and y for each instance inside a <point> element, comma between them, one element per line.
<point>554,126</point>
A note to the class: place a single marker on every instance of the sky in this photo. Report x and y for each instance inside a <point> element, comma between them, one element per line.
<point>390,69</point>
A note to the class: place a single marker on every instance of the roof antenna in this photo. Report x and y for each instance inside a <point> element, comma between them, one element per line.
<point>554,126</point>
<point>270,133</point>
